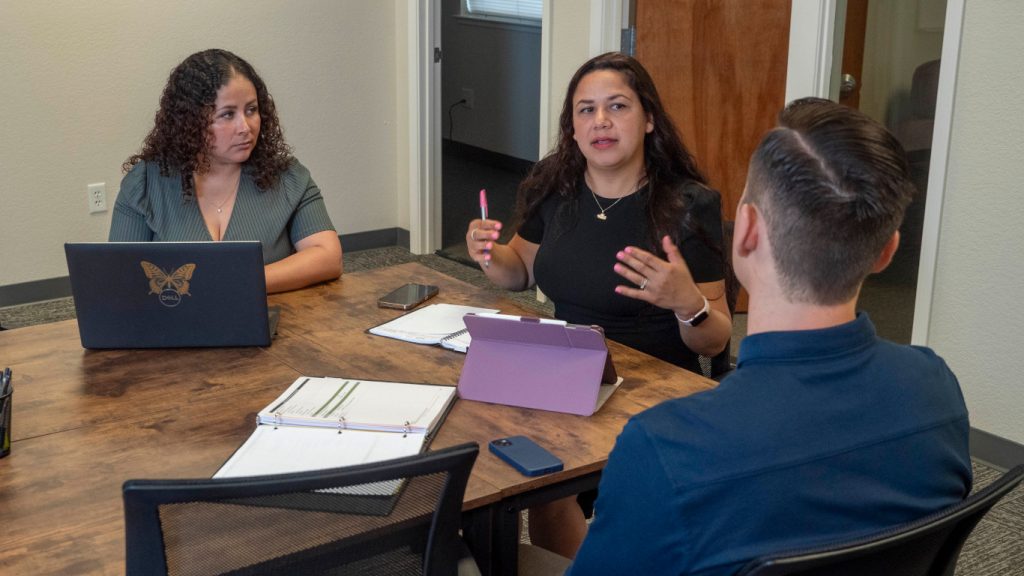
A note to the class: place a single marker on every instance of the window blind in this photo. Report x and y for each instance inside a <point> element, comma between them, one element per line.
<point>523,9</point>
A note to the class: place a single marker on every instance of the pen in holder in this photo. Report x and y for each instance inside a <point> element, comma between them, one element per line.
<point>6,395</point>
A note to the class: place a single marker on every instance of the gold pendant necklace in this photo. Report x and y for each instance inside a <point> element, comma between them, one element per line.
<point>601,215</point>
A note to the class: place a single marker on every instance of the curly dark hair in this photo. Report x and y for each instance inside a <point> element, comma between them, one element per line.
<point>667,162</point>
<point>180,138</point>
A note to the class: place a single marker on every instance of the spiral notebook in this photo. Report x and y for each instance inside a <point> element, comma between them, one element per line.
<point>436,324</point>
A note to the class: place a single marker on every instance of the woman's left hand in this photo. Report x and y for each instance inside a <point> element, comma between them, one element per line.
<point>665,283</point>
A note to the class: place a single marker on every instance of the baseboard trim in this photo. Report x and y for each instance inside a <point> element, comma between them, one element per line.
<point>383,238</point>
<point>35,291</point>
<point>995,450</point>
<point>50,288</point>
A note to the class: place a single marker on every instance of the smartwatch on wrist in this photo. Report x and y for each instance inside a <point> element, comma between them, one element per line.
<point>699,317</point>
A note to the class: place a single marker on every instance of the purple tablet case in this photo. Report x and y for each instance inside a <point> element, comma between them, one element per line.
<point>534,365</point>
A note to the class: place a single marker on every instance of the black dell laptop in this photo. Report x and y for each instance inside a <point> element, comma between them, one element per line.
<point>169,294</point>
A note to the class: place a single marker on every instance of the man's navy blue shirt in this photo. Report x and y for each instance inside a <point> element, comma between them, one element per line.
<point>818,436</point>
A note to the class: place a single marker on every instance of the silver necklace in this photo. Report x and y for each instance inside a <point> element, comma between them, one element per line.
<point>220,206</point>
<point>601,215</point>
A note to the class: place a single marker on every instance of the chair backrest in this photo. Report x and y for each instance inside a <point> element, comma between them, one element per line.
<point>398,516</point>
<point>722,364</point>
<point>926,547</point>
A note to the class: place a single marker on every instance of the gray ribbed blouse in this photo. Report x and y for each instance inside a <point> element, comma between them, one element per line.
<point>150,208</point>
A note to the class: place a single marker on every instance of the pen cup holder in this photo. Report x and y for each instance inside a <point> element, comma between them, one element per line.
<point>5,423</point>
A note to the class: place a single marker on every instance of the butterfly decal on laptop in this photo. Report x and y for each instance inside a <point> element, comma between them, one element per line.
<point>169,286</point>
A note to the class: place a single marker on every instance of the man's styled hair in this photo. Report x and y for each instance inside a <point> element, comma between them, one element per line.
<point>832,185</point>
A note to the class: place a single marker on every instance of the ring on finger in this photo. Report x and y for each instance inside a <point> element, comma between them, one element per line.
<point>643,283</point>
<point>472,234</point>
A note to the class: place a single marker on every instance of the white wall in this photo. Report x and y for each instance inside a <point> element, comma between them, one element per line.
<point>977,319</point>
<point>80,82</point>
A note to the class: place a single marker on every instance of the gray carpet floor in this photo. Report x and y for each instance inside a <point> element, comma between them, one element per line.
<point>996,547</point>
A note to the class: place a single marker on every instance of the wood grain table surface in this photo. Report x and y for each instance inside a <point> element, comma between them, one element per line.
<point>85,421</point>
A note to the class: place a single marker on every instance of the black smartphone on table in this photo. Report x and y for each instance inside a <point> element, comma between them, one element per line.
<point>408,296</point>
<point>525,455</point>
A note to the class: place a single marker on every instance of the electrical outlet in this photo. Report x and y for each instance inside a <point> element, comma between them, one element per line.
<point>97,197</point>
<point>467,95</point>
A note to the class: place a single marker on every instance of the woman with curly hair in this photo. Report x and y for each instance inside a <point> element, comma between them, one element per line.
<point>215,166</point>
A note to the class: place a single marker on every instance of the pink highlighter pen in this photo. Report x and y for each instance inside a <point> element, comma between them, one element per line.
<point>483,216</point>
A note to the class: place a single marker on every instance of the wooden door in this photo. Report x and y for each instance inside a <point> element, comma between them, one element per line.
<point>720,67</point>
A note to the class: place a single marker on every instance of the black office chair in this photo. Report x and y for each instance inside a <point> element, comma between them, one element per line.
<point>722,364</point>
<point>301,523</point>
<point>926,547</point>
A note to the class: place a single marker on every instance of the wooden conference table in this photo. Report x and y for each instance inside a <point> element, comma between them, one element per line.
<point>85,421</point>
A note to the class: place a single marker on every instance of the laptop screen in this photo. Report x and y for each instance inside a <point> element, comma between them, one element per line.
<point>169,294</point>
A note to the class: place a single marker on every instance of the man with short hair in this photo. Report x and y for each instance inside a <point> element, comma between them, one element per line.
<point>824,432</point>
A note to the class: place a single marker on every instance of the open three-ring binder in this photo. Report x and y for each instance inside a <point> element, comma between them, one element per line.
<point>537,363</point>
<point>320,423</point>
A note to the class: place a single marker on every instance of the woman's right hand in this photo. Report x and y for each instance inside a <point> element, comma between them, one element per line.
<point>480,239</point>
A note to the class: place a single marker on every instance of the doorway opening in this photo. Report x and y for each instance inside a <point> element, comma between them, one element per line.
<point>890,71</point>
<point>490,118</point>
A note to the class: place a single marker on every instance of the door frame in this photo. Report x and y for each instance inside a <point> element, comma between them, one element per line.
<point>937,170</point>
<point>423,28</point>
<point>811,53</point>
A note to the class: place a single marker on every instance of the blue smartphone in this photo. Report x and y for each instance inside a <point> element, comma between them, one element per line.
<point>525,455</point>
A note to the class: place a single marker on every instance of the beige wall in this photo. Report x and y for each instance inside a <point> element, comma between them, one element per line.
<point>403,55</point>
<point>977,313</point>
<point>80,82</point>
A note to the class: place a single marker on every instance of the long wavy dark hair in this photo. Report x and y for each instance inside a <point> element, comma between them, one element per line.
<point>667,162</point>
<point>180,138</point>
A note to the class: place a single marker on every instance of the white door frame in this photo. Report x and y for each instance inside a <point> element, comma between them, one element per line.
<point>423,28</point>
<point>937,170</point>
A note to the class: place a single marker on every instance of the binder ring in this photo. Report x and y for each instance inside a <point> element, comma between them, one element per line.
<point>277,420</point>
<point>408,429</point>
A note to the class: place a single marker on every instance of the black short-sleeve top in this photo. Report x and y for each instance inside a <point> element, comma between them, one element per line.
<point>575,260</point>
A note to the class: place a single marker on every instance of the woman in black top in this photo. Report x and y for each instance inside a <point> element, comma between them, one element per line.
<point>619,229</point>
<point>616,224</point>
